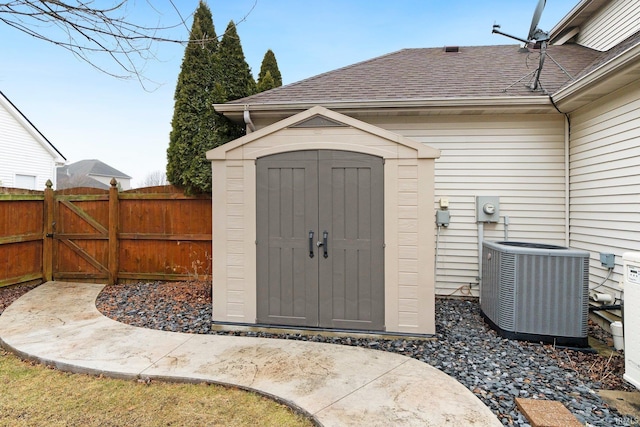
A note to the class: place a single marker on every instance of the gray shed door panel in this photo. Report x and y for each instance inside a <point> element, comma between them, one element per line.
<point>333,191</point>
<point>287,204</point>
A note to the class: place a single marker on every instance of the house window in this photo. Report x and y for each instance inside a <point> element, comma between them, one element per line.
<point>25,181</point>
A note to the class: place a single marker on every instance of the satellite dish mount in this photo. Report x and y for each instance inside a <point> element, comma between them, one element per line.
<point>536,36</point>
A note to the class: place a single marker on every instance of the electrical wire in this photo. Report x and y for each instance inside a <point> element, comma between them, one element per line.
<point>604,281</point>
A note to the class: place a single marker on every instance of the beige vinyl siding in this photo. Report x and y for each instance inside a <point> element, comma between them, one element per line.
<point>519,158</point>
<point>605,181</point>
<point>616,21</point>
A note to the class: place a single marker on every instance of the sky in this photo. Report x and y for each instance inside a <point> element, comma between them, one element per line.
<point>87,114</point>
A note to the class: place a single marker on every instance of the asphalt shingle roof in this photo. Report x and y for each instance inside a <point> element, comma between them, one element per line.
<point>95,167</point>
<point>432,73</point>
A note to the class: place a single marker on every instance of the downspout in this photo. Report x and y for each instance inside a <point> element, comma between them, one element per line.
<point>567,134</point>
<point>247,120</point>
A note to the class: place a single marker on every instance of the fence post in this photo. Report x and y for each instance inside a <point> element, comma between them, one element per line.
<point>48,229</point>
<point>114,224</point>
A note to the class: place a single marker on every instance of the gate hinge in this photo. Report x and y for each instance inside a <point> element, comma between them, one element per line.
<point>49,235</point>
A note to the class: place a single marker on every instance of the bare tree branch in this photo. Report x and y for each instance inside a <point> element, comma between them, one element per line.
<point>96,27</point>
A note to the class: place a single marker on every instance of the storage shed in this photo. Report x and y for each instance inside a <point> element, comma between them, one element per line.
<point>324,221</point>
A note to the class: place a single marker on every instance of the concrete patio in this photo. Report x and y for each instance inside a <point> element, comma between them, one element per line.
<point>58,324</point>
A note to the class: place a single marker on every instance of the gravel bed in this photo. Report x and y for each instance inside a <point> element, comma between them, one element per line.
<point>496,370</point>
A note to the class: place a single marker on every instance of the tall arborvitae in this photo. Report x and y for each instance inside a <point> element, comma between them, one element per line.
<point>236,80</point>
<point>269,76</point>
<point>266,82</point>
<point>236,73</point>
<point>193,123</point>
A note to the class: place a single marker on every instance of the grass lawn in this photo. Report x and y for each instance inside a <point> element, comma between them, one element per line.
<point>34,395</point>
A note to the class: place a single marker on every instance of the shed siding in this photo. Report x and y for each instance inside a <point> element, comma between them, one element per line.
<point>22,154</point>
<point>230,221</point>
<point>519,158</point>
<point>605,182</point>
<point>612,24</point>
<point>408,241</point>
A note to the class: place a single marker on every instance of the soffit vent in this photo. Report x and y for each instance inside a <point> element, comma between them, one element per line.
<point>452,49</point>
<point>318,122</point>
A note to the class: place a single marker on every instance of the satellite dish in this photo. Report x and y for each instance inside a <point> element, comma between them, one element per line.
<point>534,31</point>
<point>536,35</point>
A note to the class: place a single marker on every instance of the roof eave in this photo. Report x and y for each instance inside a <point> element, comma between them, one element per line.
<point>467,105</point>
<point>608,77</point>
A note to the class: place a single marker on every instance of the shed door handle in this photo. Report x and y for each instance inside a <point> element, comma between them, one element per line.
<point>325,247</point>
<point>310,243</point>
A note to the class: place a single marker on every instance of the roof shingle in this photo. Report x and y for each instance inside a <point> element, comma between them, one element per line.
<point>432,73</point>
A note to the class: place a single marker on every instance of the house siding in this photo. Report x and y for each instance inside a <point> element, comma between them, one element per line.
<point>520,158</point>
<point>605,182</point>
<point>21,154</point>
<point>612,24</point>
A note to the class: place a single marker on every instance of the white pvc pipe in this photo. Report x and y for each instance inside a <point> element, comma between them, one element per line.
<point>480,239</point>
<point>506,228</point>
<point>566,181</point>
<point>597,296</point>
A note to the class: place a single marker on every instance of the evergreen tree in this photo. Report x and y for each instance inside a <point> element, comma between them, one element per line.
<point>236,81</point>
<point>236,73</point>
<point>266,82</point>
<point>269,65</point>
<point>193,123</point>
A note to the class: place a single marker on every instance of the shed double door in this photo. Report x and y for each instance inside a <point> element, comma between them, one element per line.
<point>320,237</point>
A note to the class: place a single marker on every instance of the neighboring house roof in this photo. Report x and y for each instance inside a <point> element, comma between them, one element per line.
<point>95,167</point>
<point>26,123</point>
<point>80,174</point>
<point>428,73</point>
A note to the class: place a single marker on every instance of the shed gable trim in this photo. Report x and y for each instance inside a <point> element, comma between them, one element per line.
<point>421,151</point>
<point>318,121</point>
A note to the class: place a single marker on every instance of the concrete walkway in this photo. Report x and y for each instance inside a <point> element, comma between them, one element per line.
<point>58,324</point>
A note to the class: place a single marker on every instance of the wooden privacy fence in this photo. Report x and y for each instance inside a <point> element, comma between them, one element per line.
<point>88,234</point>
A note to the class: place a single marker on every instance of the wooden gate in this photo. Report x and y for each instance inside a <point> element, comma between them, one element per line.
<point>154,233</point>
<point>320,240</point>
<point>80,233</point>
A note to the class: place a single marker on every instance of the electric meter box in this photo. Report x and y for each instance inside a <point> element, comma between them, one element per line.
<point>631,265</point>
<point>487,209</point>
